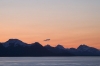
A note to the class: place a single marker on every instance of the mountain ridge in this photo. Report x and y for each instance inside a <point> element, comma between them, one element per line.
<point>16,47</point>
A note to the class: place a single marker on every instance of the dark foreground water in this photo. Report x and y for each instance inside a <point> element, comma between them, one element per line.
<point>49,61</point>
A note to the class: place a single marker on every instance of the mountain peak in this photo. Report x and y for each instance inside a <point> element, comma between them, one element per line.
<point>15,42</point>
<point>47,45</point>
<point>83,47</point>
<point>37,44</point>
<point>60,46</point>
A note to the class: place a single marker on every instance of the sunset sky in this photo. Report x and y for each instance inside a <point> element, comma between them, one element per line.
<point>66,22</point>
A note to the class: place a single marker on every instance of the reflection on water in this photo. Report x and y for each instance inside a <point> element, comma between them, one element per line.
<point>49,61</point>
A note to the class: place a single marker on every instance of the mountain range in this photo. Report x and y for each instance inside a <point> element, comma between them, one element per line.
<point>18,48</point>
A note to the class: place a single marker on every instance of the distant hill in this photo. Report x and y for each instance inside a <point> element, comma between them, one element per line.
<point>17,48</point>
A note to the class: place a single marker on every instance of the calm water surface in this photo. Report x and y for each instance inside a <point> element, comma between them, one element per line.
<point>49,61</point>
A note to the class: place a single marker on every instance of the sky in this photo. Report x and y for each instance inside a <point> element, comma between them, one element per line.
<point>66,22</point>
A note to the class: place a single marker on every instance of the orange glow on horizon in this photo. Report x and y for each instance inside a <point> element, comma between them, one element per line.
<point>66,22</point>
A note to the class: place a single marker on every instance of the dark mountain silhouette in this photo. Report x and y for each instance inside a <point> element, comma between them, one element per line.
<point>88,51</point>
<point>17,48</point>
<point>59,50</point>
<point>84,50</point>
<point>14,42</point>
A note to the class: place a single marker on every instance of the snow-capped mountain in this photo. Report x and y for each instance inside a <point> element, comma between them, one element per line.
<point>83,47</point>
<point>15,47</point>
<point>88,51</point>
<point>14,42</point>
<point>59,50</point>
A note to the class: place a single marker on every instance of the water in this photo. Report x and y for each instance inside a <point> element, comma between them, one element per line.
<point>49,61</point>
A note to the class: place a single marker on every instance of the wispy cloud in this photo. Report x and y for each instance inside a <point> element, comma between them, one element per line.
<point>47,40</point>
